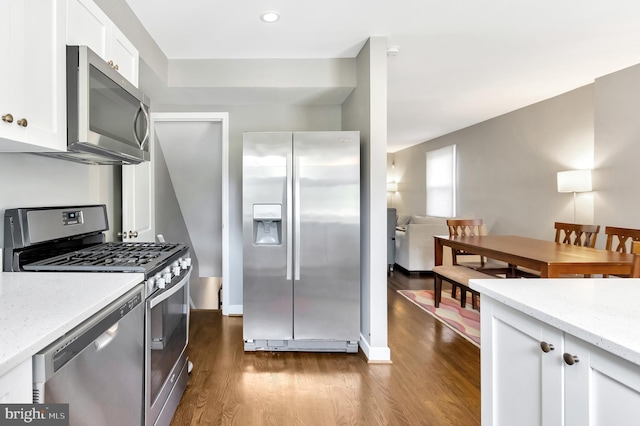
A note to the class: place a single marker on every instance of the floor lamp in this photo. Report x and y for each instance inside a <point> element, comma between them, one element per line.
<point>574,181</point>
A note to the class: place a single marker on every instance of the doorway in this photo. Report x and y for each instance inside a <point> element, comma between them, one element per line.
<point>192,197</point>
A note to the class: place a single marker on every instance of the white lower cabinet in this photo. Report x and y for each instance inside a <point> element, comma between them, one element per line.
<point>526,380</point>
<point>16,385</point>
<point>601,388</point>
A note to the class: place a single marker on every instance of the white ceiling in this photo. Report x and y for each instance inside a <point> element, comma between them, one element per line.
<point>460,62</point>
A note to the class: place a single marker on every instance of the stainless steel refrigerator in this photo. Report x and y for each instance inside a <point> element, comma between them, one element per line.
<point>301,241</point>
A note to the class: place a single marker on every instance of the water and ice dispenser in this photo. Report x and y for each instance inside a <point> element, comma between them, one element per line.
<point>267,224</point>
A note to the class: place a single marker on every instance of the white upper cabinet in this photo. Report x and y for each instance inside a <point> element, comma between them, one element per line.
<point>32,76</point>
<point>124,55</point>
<point>89,25</point>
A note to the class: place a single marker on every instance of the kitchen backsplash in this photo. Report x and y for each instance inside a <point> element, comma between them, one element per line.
<point>28,180</point>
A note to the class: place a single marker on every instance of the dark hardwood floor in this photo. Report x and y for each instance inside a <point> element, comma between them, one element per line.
<point>434,378</point>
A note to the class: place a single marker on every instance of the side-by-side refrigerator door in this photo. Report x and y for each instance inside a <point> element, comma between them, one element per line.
<point>267,252</point>
<point>326,235</point>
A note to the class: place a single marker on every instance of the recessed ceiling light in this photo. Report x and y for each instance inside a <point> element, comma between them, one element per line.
<point>270,17</point>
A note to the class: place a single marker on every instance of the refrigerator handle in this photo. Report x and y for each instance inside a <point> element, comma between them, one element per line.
<point>289,202</point>
<point>296,218</point>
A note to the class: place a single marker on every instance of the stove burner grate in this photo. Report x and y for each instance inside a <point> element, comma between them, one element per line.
<point>134,257</point>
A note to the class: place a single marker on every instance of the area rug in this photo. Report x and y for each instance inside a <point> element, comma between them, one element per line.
<point>464,321</point>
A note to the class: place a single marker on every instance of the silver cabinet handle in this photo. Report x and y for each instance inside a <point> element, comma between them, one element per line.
<point>22,122</point>
<point>546,347</point>
<point>570,359</point>
<point>7,118</point>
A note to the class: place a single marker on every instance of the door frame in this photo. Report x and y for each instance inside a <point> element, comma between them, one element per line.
<point>223,118</point>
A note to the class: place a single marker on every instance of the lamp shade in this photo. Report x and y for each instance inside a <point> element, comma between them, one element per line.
<point>574,181</point>
<point>392,186</point>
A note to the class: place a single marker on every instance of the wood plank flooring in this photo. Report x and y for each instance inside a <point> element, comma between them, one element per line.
<point>434,378</point>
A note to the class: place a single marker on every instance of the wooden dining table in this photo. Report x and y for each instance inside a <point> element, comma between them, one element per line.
<point>549,258</point>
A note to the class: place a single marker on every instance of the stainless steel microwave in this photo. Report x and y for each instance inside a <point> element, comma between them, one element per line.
<point>107,117</point>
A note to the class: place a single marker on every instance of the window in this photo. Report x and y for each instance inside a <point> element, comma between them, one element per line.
<point>441,182</point>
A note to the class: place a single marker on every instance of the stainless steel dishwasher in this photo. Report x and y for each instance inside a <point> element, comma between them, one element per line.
<point>98,367</point>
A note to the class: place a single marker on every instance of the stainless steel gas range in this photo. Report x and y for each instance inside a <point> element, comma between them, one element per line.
<point>72,239</point>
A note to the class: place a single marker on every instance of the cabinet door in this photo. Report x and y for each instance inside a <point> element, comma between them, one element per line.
<point>138,200</point>
<point>124,55</point>
<point>8,69</point>
<point>88,25</point>
<point>33,86</point>
<point>16,385</point>
<point>521,384</point>
<point>601,388</point>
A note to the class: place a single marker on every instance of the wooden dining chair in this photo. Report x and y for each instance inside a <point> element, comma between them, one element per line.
<point>576,234</point>
<point>621,240</point>
<point>470,228</point>
<point>635,266</point>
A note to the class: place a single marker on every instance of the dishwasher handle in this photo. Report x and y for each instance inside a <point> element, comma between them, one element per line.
<point>107,337</point>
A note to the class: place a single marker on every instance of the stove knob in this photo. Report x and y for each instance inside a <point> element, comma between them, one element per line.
<point>176,271</point>
<point>188,260</point>
<point>183,264</point>
<point>161,282</point>
<point>167,277</point>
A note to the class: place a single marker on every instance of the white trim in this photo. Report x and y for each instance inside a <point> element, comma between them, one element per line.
<point>374,354</point>
<point>232,309</point>
<point>223,118</point>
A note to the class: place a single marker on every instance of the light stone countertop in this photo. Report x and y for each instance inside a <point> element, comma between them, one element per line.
<point>36,308</point>
<point>602,311</point>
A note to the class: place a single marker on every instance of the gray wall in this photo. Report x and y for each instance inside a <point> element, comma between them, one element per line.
<point>169,220</point>
<point>617,150</point>
<point>193,152</point>
<point>507,167</point>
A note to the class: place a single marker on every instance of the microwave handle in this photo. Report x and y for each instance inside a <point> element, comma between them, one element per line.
<point>135,120</point>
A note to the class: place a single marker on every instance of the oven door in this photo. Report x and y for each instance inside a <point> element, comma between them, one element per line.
<point>167,333</point>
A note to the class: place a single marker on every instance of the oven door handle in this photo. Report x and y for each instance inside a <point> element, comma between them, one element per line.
<point>170,292</point>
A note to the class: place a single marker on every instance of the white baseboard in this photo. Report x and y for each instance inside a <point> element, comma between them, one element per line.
<point>233,310</point>
<point>375,354</point>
